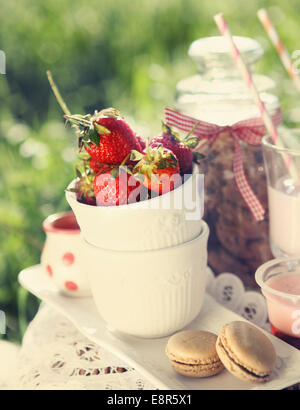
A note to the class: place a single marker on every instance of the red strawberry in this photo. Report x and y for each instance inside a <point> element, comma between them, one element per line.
<point>84,192</point>
<point>182,148</point>
<point>106,136</point>
<point>95,165</point>
<point>98,167</point>
<point>159,169</point>
<point>142,143</point>
<point>116,187</point>
<point>84,183</point>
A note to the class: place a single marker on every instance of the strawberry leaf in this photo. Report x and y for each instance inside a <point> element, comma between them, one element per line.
<point>72,190</point>
<point>167,129</point>
<point>172,158</point>
<point>78,172</point>
<point>149,170</point>
<point>163,164</point>
<point>101,129</point>
<point>84,156</point>
<point>108,112</point>
<point>191,142</point>
<point>94,136</point>
<point>115,172</point>
<point>136,156</point>
<point>197,157</point>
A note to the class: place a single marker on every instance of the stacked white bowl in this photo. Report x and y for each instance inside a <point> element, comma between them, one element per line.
<point>147,260</point>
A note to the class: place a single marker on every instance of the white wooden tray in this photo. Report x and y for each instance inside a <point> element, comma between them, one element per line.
<point>148,355</point>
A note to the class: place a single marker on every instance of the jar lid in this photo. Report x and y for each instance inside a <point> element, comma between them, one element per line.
<point>215,51</point>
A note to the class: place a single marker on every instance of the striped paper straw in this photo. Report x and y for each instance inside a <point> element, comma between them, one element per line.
<point>245,72</point>
<point>279,46</point>
<point>222,25</point>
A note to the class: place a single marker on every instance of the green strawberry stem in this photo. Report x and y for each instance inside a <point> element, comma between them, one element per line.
<point>59,98</point>
<point>85,123</point>
<point>67,112</point>
<point>78,120</point>
<point>57,94</point>
<point>191,131</point>
<point>125,160</point>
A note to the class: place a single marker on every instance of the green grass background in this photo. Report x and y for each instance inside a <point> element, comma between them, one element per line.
<point>123,53</point>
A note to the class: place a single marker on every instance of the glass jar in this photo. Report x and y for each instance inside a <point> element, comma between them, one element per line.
<point>215,64</point>
<point>217,94</point>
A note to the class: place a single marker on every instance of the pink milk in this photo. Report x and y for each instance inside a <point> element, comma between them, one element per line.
<point>284,306</point>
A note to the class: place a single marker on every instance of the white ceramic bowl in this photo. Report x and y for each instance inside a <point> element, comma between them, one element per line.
<point>161,222</point>
<point>151,293</point>
<point>62,257</point>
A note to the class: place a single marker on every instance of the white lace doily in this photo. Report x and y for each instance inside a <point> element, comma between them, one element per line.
<point>54,355</point>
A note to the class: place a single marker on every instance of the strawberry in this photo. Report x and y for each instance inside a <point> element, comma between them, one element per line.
<point>97,167</point>
<point>84,183</point>
<point>182,148</point>
<point>108,140</point>
<point>106,136</point>
<point>116,186</point>
<point>158,168</point>
<point>84,191</point>
<point>142,143</point>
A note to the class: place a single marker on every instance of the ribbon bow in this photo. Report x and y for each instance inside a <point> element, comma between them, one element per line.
<point>250,131</point>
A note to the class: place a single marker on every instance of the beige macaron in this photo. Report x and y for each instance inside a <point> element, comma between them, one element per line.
<point>193,353</point>
<point>246,352</point>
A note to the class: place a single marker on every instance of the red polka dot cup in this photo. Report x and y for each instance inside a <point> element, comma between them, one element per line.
<point>62,257</point>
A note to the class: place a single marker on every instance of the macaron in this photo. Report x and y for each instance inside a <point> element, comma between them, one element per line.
<point>192,353</point>
<point>246,352</point>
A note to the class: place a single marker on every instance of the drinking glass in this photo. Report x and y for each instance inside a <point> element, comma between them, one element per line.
<point>283,179</point>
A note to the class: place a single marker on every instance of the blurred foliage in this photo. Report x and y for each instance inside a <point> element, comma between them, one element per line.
<point>121,53</point>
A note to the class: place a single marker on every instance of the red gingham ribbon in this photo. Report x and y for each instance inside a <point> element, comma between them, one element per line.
<point>250,131</point>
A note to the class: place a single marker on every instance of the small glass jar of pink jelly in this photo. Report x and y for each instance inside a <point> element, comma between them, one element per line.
<point>62,257</point>
<point>279,280</point>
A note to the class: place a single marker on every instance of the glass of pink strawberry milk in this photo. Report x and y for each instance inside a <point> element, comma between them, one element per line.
<point>279,280</point>
<point>282,163</point>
